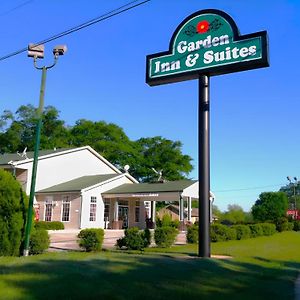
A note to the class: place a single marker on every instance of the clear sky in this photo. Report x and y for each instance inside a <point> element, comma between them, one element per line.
<point>254,114</point>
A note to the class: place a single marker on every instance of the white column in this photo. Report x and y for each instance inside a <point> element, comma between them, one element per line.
<point>181,209</point>
<point>116,212</point>
<point>189,216</point>
<point>153,211</point>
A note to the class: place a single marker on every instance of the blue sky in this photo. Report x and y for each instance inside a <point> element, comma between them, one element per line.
<point>254,114</point>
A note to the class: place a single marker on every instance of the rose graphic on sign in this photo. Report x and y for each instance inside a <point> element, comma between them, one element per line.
<point>202,27</point>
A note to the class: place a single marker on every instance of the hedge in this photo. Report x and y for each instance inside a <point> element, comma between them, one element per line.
<point>220,232</point>
<point>256,230</point>
<point>91,239</point>
<point>54,225</point>
<point>135,239</point>
<point>39,241</point>
<point>296,225</point>
<point>164,237</point>
<point>192,234</point>
<point>268,228</point>
<point>242,232</point>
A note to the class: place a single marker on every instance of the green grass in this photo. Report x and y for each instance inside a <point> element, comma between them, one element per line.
<point>262,268</point>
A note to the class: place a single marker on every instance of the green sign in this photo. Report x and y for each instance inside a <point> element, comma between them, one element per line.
<point>207,43</point>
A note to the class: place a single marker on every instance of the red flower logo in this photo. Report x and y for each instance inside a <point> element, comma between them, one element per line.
<point>202,26</point>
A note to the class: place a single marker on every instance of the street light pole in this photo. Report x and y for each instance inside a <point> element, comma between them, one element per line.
<point>37,52</point>
<point>294,193</point>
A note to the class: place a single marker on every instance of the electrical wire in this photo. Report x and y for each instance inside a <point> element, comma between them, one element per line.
<point>250,188</point>
<point>93,21</point>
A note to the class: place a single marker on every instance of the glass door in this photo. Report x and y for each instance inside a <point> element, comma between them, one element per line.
<point>123,216</point>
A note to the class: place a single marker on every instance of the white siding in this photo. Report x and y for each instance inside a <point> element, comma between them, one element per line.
<point>191,191</point>
<point>64,167</point>
<point>96,191</point>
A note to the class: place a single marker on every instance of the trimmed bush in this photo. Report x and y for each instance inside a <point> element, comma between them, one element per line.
<point>218,232</point>
<point>39,241</point>
<point>242,232</point>
<point>290,226</point>
<point>91,239</point>
<point>135,239</point>
<point>256,230</point>
<point>146,236</point>
<point>165,236</point>
<point>282,224</point>
<point>54,225</point>
<point>13,206</point>
<point>166,221</point>
<point>268,228</point>
<point>296,226</point>
<point>192,234</point>
<point>231,233</point>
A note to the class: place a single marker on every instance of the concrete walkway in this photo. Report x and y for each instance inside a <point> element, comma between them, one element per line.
<point>67,239</point>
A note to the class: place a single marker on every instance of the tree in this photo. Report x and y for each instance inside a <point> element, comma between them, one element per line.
<point>234,215</point>
<point>18,131</point>
<point>161,154</point>
<point>13,203</point>
<point>293,193</point>
<point>107,139</point>
<point>271,206</point>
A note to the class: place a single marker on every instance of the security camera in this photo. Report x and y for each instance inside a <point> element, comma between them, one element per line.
<point>60,50</point>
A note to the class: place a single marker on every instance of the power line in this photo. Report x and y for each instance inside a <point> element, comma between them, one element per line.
<point>15,8</point>
<point>249,188</point>
<point>93,21</point>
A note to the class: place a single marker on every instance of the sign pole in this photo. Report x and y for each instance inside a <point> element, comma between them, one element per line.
<point>204,167</point>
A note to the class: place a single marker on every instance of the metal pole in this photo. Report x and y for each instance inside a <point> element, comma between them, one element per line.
<point>204,167</point>
<point>35,161</point>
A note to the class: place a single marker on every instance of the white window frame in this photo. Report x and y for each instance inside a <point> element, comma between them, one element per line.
<point>93,209</point>
<point>65,199</point>
<point>48,201</point>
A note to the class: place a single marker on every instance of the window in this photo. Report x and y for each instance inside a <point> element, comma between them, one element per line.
<point>137,211</point>
<point>93,209</point>
<point>48,209</point>
<point>65,217</point>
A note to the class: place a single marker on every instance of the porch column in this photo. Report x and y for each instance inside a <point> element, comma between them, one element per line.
<point>181,214</point>
<point>153,212</point>
<point>189,216</point>
<point>115,224</point>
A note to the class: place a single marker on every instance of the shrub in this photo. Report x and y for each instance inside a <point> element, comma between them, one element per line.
<point>146,236</point>
<point>91,239</point>
<point>165,236</point>
<point>135,239</point>
<point>256,230</point>
<point>268,228</point>
<point>231,233</point>
<point>166,221</point>
<point>242,232</point>
<point>282,224</point>
<point>39,241</point>
<point>218,232</point>
<point>296,226</point>
<point>192,234</point>
<point>290,226</point>
<point>13,204</point>
<point>54,225</point>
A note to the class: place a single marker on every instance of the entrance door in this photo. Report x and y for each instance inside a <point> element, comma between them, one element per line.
<point>123,216</point>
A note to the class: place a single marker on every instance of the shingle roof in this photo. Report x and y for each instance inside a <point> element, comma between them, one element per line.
<point>170,186</point>
<point>6,157</point>
<point>78,184</point>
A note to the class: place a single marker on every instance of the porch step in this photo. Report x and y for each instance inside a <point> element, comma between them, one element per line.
<point>181,238</point>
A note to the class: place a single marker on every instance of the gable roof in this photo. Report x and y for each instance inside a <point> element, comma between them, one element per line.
<point>78,184</point>
<point>169,186</point>
<point>15,157</point>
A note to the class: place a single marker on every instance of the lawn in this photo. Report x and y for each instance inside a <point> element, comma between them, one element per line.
<point>261,268</point>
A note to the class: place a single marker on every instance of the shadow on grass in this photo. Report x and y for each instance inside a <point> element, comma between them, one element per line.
<point>120,276</point>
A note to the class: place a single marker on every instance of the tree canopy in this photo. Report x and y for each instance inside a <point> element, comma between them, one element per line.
<point>271,206</point>
<point>17,131</point>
